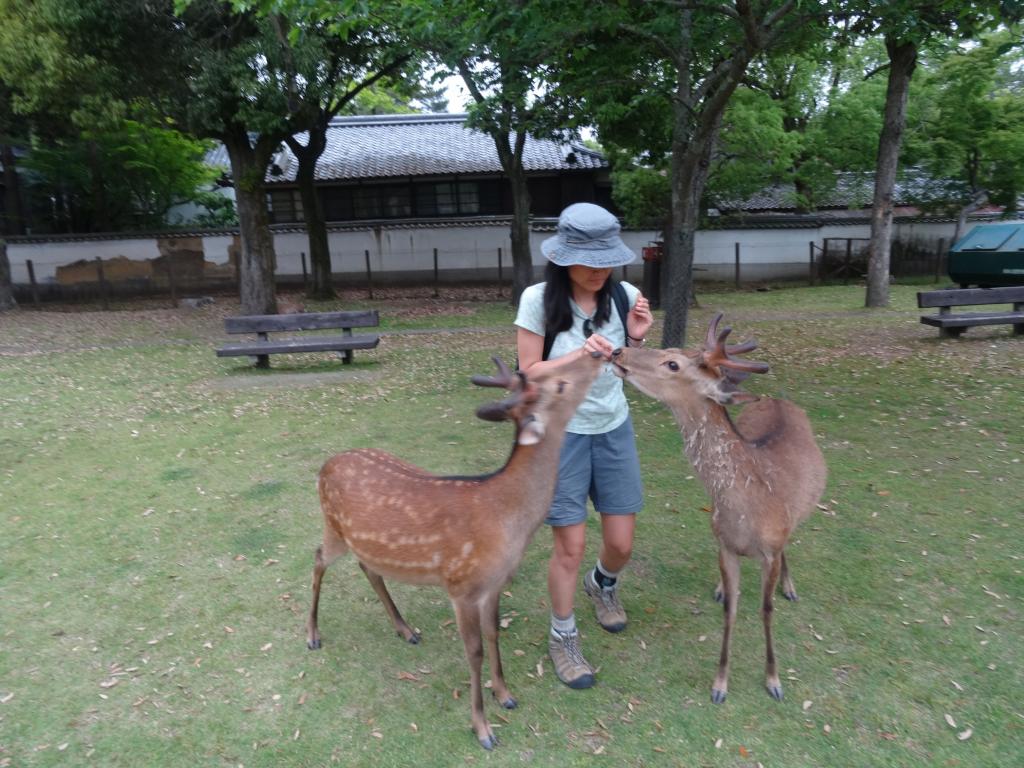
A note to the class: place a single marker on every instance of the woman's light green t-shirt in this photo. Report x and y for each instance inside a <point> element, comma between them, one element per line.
<point>605,406</point>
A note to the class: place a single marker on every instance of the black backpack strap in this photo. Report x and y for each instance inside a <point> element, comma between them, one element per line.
<point>621,301</point>
<point>622,304</point>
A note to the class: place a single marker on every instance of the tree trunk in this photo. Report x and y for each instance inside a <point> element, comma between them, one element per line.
<point>256,260</point>
<point>902,60</point>
<point>14,213</point>
<point>522,259</point>
<point>690,164</point>
<point>100,212</point>
<point>512,164</point>
<point>321,284</point>
<point>6,289</point>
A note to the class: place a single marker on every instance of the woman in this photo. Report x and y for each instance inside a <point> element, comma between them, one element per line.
<point>575,311</point>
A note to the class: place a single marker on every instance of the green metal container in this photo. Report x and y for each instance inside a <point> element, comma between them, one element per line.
<point>988,256</point>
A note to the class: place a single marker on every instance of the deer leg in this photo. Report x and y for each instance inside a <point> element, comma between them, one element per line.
<point>404,630</point>
<point>770,568</point>
<point>468,615</point>
<point>729,565</point>
<point>329,551</point>
<point>788,590</point>
<point>489,628</point>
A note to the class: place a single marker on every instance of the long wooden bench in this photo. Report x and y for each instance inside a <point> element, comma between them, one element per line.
<point>952,324</point>
<point>263,346</point>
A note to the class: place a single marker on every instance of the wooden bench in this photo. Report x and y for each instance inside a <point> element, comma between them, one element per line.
<point>952,324</point>
<point>263,346</point>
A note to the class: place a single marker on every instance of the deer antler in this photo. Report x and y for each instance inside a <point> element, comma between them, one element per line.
<point>506,379</point>
<point>717,354</point>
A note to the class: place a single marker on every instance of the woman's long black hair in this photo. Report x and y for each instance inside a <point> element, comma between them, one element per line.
<point>558,291</point>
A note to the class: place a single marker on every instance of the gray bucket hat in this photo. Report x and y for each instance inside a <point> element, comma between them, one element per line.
<point>587,235</point>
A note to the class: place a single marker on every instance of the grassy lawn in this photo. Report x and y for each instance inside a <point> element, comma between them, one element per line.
<point>158,516</point>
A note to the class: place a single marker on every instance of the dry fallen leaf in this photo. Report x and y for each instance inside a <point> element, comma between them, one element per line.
<point>807,704</point>
<point>965,735</point>
<point>7,698</point>
<point>109,683</point>
<point>267,647</point>
<point>414,727</point>
<point>957,685</point>
<point>950,720</point>
<point>408,676</point>
<point>718,744</point>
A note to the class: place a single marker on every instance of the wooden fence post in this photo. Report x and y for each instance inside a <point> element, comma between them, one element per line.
<point>436,278</point>
<point>499,271</point>
<point>846,262</point>
<point>32,281</point>
<point>810,263</point>
<point>737,266</point>
<point>305,276</point>
<point>103,283</point>
<point>369,277</point>
<point>938,258</point>
<point>170,281</point>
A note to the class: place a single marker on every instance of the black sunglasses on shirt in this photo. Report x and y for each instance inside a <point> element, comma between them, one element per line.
<point>588,328</point>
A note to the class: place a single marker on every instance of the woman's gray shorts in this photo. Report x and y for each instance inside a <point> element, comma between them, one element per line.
<point>604,468</point>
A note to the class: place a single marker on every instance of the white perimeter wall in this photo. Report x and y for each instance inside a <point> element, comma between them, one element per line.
<point>404,252</point>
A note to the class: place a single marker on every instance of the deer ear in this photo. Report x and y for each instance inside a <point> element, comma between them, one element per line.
<point>532,432</point>
<point>736,398</point>
<point>493,411</point>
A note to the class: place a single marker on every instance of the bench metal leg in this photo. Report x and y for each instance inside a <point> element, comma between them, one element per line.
<point>1018,329</point>
<point>262,361</point>
<point>951,333</point>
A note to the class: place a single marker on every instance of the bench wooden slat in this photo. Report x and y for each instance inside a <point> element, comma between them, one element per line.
<point>310,344</point>
<point>968,319</point>
<point>959,297</point>
<point>306,321</point>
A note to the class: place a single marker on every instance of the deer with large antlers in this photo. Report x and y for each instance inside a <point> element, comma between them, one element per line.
<point>764,472</point>
<point>466,534</point>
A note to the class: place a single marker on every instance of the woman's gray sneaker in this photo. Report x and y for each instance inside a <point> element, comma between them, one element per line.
<point>610,613</point>
<point>570,666</point>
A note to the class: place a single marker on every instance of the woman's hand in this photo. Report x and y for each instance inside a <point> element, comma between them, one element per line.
<point>598,343</point>
<point>639,319</point>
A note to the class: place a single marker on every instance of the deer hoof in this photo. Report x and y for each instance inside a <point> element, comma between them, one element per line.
<point>510,703</point>
<point>717,696</point>
<point>775,691</point>
<point>719,596</point>
<point>313,645</point>
<point>412,638</point>
<point>791,596</point>
<point>489,742</point>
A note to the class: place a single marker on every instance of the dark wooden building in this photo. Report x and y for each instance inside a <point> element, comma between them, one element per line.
<point>431,166</point>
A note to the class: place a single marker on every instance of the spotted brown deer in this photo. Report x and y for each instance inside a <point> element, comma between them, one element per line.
<point>764,472</point>
<point>466,534</point>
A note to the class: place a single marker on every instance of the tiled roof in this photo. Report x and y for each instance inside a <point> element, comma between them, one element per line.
<point>852,191</point>
<point>382,146</point>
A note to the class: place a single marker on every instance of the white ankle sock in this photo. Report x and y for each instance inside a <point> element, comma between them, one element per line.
<point>563,626</point>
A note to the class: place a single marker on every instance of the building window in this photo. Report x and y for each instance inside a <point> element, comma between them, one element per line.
<point>285,206</point>
<point>365,203</point>
<point>395,201</point>
<point>337,202</point>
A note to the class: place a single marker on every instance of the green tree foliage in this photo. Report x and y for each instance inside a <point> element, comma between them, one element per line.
<point>146,171</point>
<point>658,77</point>
<point>972,132</point>
<point>507,54</point>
